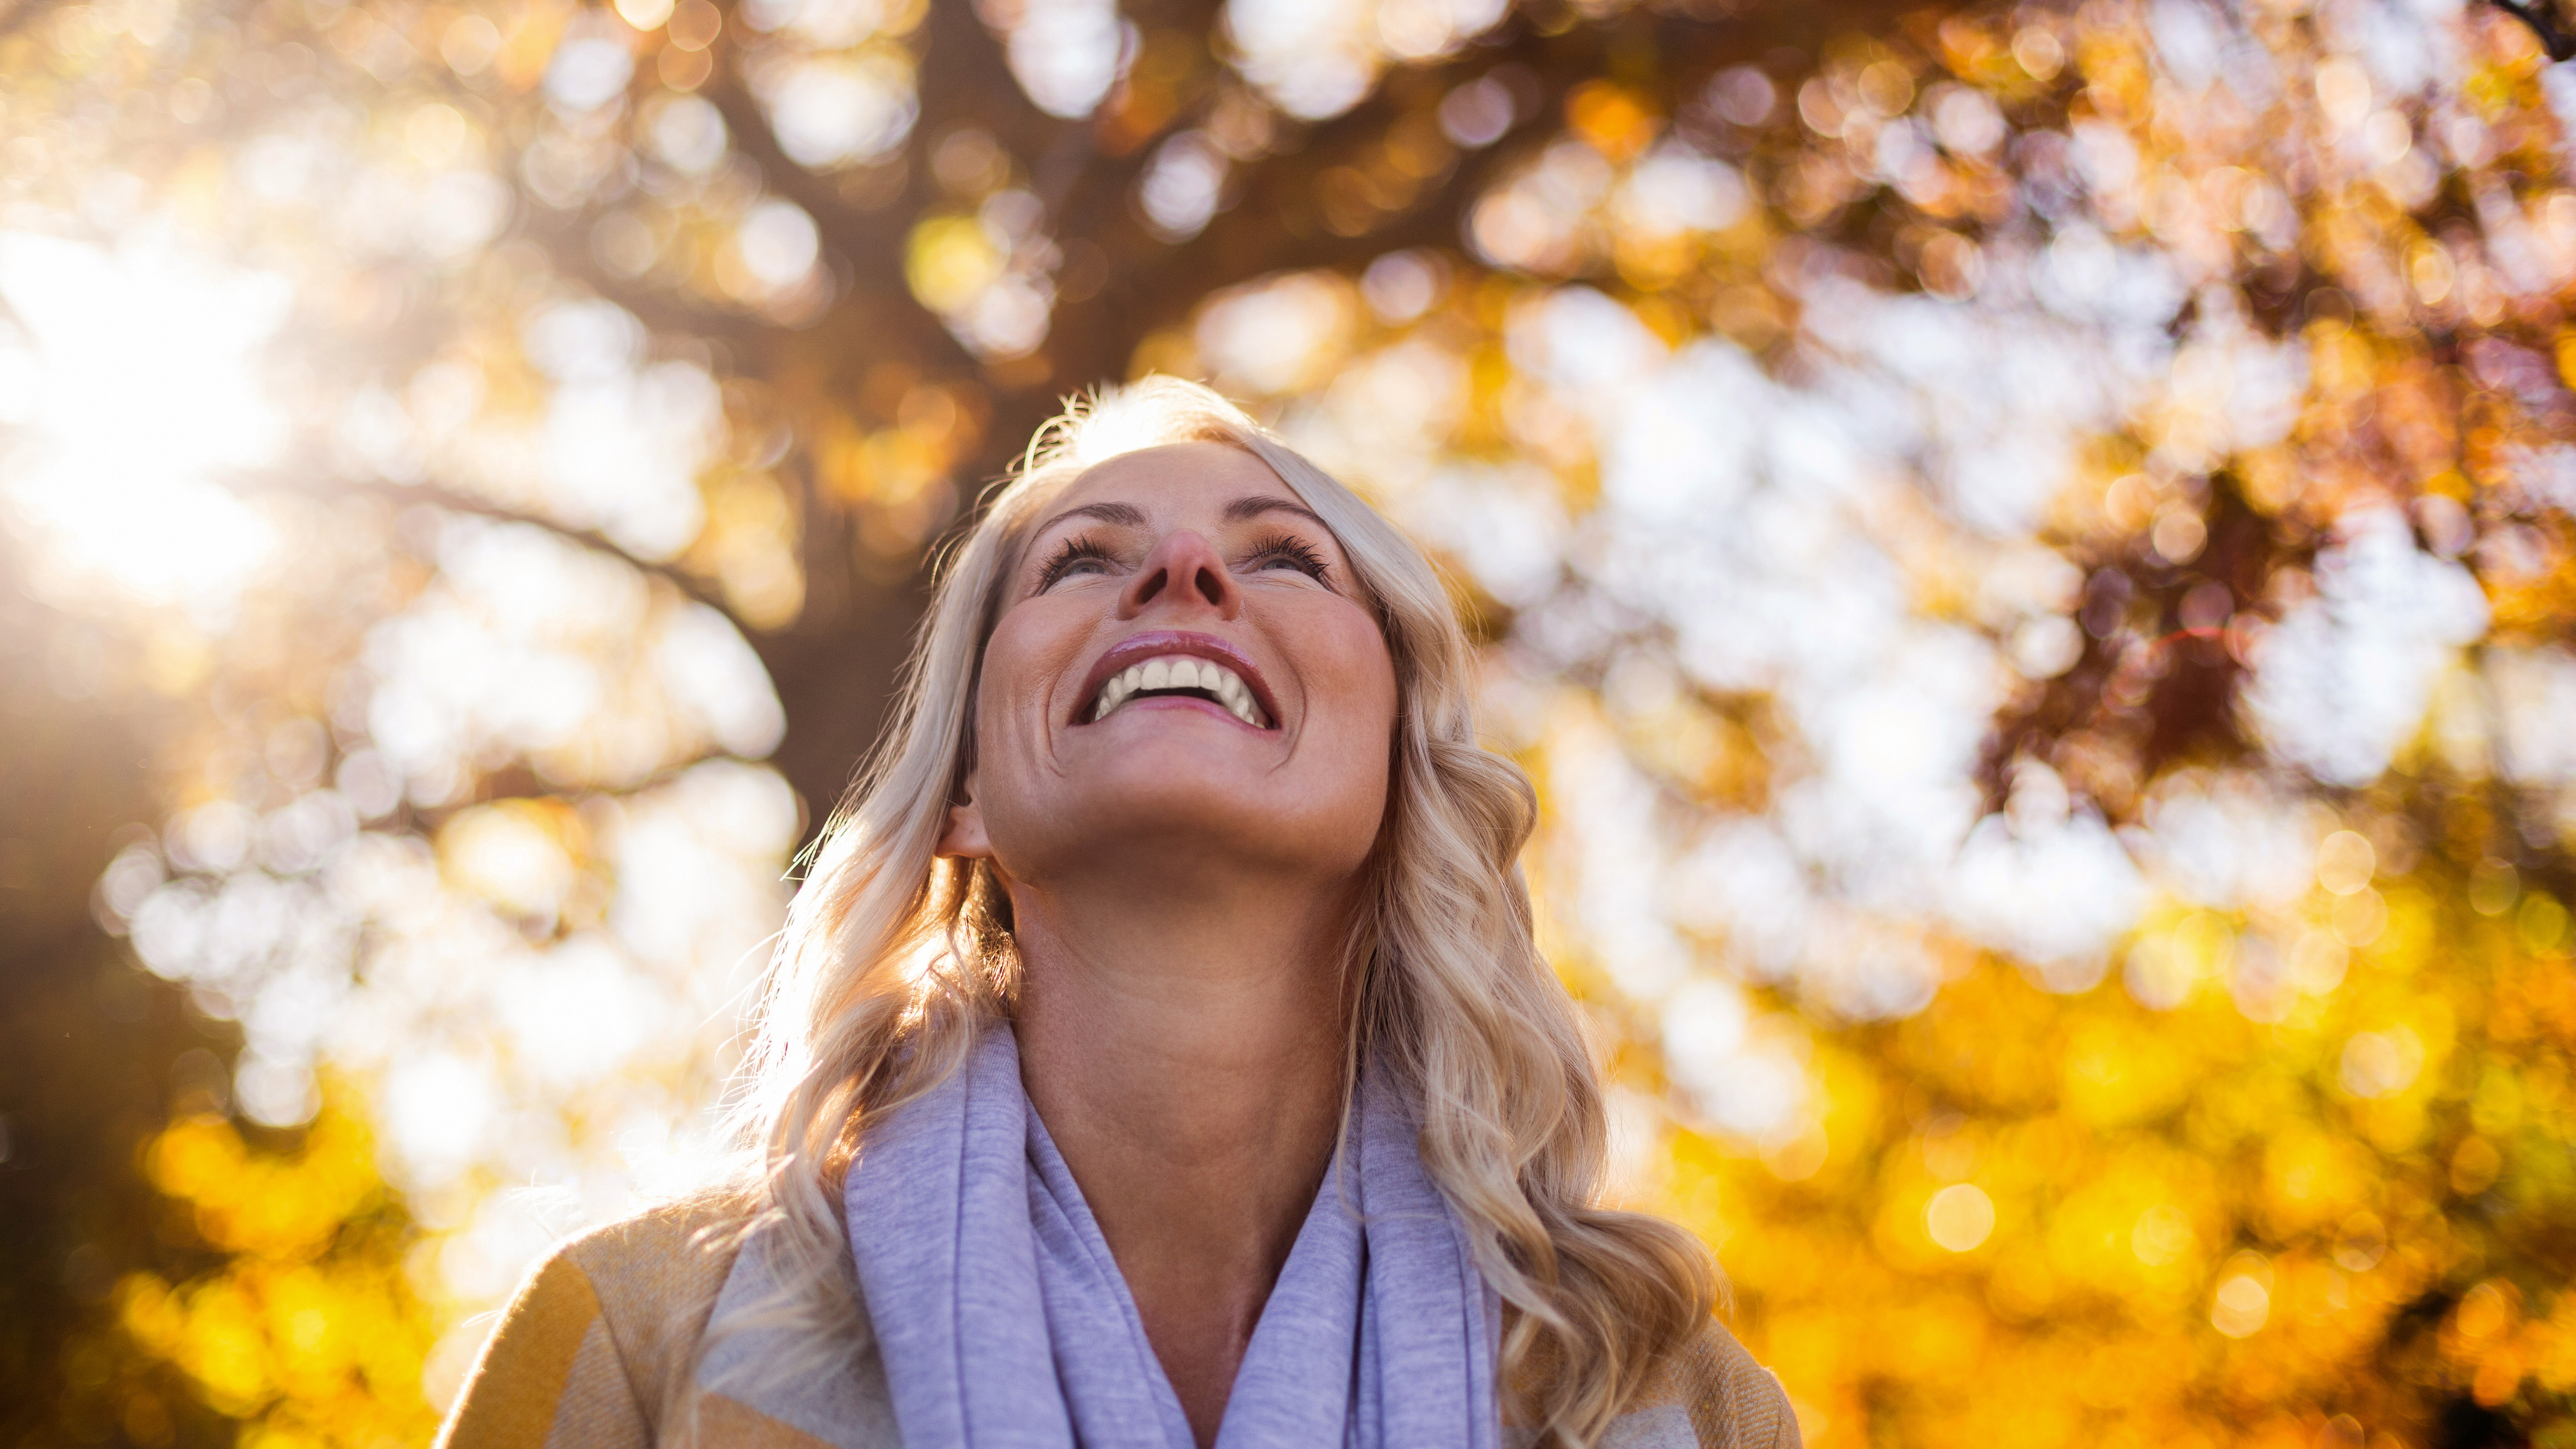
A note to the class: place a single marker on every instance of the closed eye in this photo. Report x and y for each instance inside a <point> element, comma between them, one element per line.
<point>1076,555</point>
<point>1286,550</point>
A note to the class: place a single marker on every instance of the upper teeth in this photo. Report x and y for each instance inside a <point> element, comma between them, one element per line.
<point>1178,671</point>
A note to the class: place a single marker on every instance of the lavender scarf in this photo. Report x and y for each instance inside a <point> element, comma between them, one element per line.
<point>1004,1324</point>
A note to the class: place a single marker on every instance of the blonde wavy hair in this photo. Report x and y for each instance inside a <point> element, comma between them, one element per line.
<point>893,957</point>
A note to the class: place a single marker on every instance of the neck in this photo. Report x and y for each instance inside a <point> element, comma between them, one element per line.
<point>1187,1054</point>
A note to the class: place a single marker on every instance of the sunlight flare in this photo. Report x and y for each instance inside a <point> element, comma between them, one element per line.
<point>131,388</point>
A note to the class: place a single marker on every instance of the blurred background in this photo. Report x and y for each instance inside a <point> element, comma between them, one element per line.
<point>2027,547</point>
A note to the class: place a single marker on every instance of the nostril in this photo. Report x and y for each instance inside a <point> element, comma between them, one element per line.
<point>1211,587</point>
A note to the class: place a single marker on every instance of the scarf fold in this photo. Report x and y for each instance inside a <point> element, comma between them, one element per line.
<point>1004,1322</point>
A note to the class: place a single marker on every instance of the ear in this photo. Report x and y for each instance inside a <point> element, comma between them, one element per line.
<point>964,839</point>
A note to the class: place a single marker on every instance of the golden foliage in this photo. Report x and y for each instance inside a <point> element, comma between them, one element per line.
<point>310,1332</point>
<point>2203,1229</point>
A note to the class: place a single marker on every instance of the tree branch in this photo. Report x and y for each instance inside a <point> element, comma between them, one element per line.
<point>831,667</point>
<point>870,240</point>
<point>660,309</point>
<point>325,486</point>
<point>1153,283</point>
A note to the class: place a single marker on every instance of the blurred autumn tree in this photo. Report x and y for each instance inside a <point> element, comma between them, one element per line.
<point>2027,547</point>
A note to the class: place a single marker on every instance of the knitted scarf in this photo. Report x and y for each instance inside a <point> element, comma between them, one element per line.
<point>1004,1323</point>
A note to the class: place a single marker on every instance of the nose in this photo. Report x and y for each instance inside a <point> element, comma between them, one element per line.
<point>1185,572</point>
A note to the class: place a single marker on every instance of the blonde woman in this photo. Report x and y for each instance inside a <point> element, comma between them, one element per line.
<point>1158,1054</point>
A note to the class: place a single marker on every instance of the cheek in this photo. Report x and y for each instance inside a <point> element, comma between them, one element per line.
<point>1011,696</point>
<point>1022,661</point>
<point>1356,751</point>
<point>1355,680</point>
<point>1363,666</point>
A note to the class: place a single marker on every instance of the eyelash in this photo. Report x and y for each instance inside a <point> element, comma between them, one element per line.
<point>1067,554</point>
<point>1300,554</point>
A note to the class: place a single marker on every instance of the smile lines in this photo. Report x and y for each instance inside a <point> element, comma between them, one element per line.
<point>1178,674</point>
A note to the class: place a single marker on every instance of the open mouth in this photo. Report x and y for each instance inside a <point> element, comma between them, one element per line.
<point>1182,676</point>
<point>1177,664</point>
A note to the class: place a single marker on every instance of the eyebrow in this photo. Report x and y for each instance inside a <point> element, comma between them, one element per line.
<point>1126,515</point>
<point>1123,514</point>
<point>1258,504</point>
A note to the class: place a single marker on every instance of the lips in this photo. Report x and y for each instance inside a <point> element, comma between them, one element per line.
<point>1173,664</point>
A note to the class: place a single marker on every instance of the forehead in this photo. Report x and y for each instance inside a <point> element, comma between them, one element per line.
<point>1181,479</point>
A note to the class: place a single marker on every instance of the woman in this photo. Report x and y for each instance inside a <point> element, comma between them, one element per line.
<point>1158,1054</point>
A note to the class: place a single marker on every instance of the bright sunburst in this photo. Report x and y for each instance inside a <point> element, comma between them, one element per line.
<point>126,391</point>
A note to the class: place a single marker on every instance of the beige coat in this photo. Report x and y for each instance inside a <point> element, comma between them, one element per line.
<point>591,1352</point>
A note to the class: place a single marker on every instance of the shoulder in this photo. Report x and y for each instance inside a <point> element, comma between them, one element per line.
<point>599,1334</point>
<point>659,1270</point>
<point>1731,1401</point>
<point>1708,1393</point>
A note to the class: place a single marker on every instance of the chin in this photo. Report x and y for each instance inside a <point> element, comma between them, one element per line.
<point>1176,816</point>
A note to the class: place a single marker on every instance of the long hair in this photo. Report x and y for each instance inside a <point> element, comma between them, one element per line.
<point>893,956</point>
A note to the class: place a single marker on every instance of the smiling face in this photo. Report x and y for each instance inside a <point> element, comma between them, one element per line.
<point>1184,678</point>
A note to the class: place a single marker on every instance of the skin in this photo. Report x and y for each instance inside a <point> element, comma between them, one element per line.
<point>1182,884</point>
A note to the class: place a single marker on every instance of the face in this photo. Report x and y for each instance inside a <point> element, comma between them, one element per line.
<point>1183,679</point>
